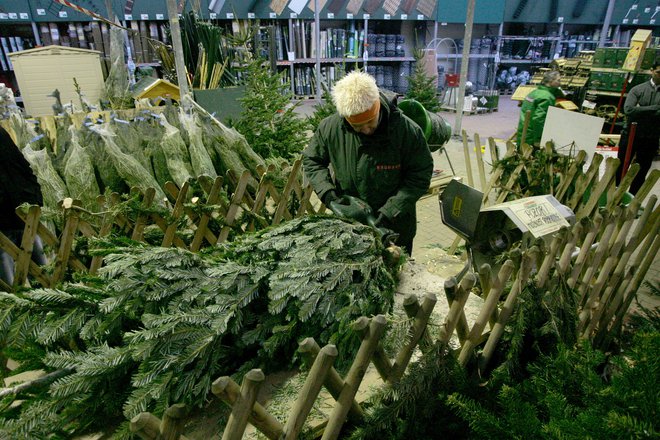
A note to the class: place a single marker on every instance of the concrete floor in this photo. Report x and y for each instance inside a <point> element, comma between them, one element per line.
<point>433,237</point>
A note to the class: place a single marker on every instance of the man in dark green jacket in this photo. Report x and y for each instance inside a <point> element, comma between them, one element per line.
<point>377,154</point>
<point>537,102</point>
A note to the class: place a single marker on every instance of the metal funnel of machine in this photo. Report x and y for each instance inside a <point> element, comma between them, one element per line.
<point>493,230</point>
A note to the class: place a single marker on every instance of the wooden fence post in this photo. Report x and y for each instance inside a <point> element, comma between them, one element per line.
<point>480,162</point>
<point>171,427</point>
<point>550,257</point>
<point>229,392</point>
<point>354,377</point>
<point>498,329</point>
<point>595,301</point>
<point>583,182</point>
<point>411,307</point>
<point>333,381</point>
<point>416,331</point>
<point>22,263</point>
<point>566,179</point>
<point>648,184</point>
<point>632,281</point>
<point>611,165</point>
<point>466,155</point>
<point>456,309</point>
<point>177,212</point>
<point>284,200</point>
<point>489,306</point>
<point>593,229</point>
<point>242,408</point>
<point>234,206</point>
<point>451,292</point>
<point>309,392</point>
<point>509,187</point>
<point>486,282</point>
<point>146,426</point>
<point>141,221</point>
<point>70,228</point>
<point>202,230</point>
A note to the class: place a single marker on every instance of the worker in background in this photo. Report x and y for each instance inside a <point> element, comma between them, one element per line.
<point>18,185</point>
<point>642,106</point>
<point>377,154</point>
<point>537,103</point>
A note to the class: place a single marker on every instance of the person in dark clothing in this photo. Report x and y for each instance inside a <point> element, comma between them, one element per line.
<point>18,185</point>
<point>377,154</point>
<point>642,106</point>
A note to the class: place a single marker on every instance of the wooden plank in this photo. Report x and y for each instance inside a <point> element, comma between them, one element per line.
<point>234,206</point>
<point>456,309</point>
<point>12,250</point>
<point>310,391</point>
<point>141,221</point>
<point>468,163</point>
<point>584,181</point>
<point>173,191</point>
<point>569,176</point>
<point>177,212</point>
<point>229,392</point>
<point>22,263</point>
<point>333,383</point>
<point>242,408</point>
<point>611,165</point>
<point>68,234</point>
<point>414,336</point>
<point>354,378</point>
<point>202,225</point>
<point>284,200</point>
<point>104,230</point>
<point>487,309</point>
<point>507,309</point>
<point>480,162</point>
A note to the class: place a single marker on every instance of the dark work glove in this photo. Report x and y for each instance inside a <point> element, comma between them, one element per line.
<point>383,222</point>
<point>384,226</point>
<point>328,197</point>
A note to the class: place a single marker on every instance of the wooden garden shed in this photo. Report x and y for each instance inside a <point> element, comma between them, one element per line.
<point>40,71</point>
<point>154,88</point>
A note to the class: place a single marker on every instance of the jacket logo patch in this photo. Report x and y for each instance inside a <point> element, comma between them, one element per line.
<point>388,167</point>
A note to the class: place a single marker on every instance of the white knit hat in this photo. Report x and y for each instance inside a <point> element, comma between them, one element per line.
<point>355,93</point>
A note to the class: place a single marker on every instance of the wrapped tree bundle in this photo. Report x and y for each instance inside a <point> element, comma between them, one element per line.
<point>104,167</point>
<point>134,174</point>
<point>53,188</point>
<point>199,157</point>
<point>176,153</point>
<point>79,174</point>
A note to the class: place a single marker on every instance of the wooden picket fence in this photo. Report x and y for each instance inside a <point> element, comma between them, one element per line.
<point>185,221</point>
<point>573,187</point>
<point>616,250</point>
